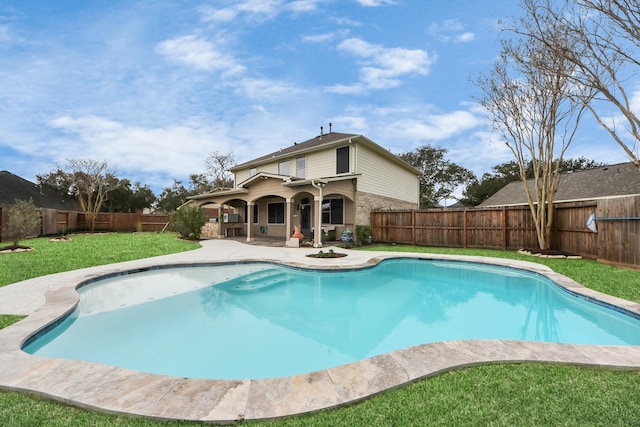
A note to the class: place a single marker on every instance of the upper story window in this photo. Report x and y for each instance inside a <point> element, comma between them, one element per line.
<point>301,166</point>
<point>284,168</point>
<point>342,160</point>
<point>252,172</point>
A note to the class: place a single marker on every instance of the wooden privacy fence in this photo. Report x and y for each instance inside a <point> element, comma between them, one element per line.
<point>54,222</point>
<point>126,222</point>
<point>616,242</point>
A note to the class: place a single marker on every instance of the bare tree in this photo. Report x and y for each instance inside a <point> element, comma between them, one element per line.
<point>605,35</point>
<point>218,165</point>
<point>525,96</point>
<point>90,181</point>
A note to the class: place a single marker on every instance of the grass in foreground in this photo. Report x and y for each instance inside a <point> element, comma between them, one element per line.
<point>497,394</point>
<point>86,250</point>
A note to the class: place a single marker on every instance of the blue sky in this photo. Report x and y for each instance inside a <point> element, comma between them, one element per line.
<point>154,86</point>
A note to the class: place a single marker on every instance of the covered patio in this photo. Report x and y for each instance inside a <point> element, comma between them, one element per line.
<point>270,206</point>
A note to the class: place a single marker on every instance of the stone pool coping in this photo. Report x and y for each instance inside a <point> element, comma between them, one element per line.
<point>116,390</point>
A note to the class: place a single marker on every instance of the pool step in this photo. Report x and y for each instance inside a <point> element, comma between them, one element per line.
<point>256,281</point>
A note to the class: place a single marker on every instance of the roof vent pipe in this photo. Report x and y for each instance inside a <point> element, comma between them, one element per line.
<point>330,125</point>
<point>321,131</point>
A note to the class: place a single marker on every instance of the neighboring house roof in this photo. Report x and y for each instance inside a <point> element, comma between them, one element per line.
<point>321,142</point>
<point>603,182</point>
<point>13,187</point>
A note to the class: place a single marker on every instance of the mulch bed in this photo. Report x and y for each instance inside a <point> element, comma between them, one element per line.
<point>60,239</point>
<point>549,253</point>
<point>14,248</point>
<point>329,255</point>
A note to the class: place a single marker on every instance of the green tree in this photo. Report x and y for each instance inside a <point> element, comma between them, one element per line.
<point>56,180</point>
<point>142,197</point>
<point>491,182</point>
<point>439,177</point>
<point>23,221</point>
<point>126,198</point>
<point>172,197</point>
<point>188,221</point>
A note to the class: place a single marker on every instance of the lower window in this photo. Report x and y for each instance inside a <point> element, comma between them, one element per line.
<point>333,211</point>
<point>275,213</point>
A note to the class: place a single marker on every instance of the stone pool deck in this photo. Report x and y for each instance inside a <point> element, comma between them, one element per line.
<point>116,390</point>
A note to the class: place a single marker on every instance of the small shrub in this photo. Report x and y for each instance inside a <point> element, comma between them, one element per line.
<point>188,221</point>
<point>23,221</point>
<point>363,233</point>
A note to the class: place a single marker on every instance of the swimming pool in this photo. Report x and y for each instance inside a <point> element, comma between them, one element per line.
<point>262,320</point>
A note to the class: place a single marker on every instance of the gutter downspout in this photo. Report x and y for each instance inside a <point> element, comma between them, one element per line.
<point>317,236</point>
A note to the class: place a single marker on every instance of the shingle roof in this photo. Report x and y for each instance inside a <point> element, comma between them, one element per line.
<point>324,139</point>
<point>14,187</point>
<point>615,180</point>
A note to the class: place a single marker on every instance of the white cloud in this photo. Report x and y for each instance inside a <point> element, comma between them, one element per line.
<point>257,10</point>
<point>376,3</point>
<point>382,67</point>
<point>325,37</point>
<point>209,14</point>
<point>341,89</point>
<point>266,89</point>
<point>254,9</point>
<point>451,30</point>
<point>194,51</point>
<point>304,5</point>
<point>435,127</point>
<point>174,149</point>
<point>5,34</point>
<point>448,25</point>
<point>464,37</point>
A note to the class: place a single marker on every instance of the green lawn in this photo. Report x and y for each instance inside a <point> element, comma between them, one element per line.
<point>86,250</point>
<point>525,394</point>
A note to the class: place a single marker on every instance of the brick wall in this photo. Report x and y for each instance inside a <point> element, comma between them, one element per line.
<point>367,202</point>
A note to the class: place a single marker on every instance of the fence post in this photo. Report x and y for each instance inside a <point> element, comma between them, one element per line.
<point>504,229</point>
<point>413,228</point>
<point>464,228</point>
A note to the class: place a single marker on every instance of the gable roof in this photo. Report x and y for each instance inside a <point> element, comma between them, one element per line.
<point>603,182</point>
<point>299,147</point>
<point>14,187</point>
<point>321,142</point>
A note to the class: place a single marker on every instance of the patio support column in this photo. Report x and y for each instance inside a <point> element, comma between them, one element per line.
<point>317,235</point>
<point>220,221</point>
<point>249,220</point>
<point>287,221</point>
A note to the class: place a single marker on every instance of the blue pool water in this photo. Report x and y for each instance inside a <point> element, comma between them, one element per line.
<point>260,320</point>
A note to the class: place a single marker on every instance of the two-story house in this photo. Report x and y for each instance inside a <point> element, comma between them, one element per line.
<point>324,185</point>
